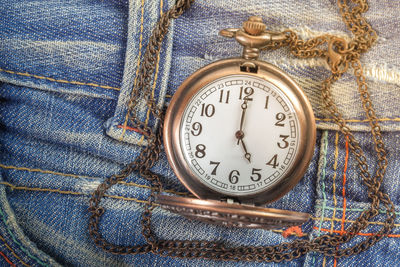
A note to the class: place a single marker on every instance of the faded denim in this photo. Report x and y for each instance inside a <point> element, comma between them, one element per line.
<point>66,72</point>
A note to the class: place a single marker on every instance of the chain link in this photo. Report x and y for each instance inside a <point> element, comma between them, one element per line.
<point>339,55</point>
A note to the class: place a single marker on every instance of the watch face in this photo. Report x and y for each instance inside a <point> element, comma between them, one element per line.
<point>239,134</point>
<point>230,133</point>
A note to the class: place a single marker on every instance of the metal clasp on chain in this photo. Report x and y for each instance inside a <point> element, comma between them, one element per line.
<point>336,56</point>
<point>253,37</point>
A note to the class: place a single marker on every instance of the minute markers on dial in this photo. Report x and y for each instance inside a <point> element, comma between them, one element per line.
<point>207,135</point>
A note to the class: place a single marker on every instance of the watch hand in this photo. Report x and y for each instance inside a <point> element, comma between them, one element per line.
<point>240,134</point>
<point>244,108</point>
<point>247,155</point>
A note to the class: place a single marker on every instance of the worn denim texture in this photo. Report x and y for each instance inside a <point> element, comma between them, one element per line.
<point>66,71</point>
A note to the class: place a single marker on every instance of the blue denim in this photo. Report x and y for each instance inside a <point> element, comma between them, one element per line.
<point>67,69</point>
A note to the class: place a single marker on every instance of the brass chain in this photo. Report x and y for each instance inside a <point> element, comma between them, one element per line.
<point>340,55</point>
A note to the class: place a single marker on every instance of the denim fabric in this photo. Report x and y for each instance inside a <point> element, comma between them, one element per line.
<point>67,69</point>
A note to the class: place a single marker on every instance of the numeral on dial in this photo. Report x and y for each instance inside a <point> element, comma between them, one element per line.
<point>214,171</point>
<point>200,151</point>
<point>266,102</point>
<point>285,143</point>
<point>224,98</point>
<point>207,110</point>
<point>280,117</point>
<point>257,176</point>
<point>197,128</point>
<point>248,91</point>
<point>273,162</point>
<point>234,177</point>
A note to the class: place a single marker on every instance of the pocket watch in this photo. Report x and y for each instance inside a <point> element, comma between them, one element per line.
<point>239,133</point>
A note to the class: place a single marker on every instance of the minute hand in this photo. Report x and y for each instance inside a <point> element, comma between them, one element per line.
<point>244,108</point>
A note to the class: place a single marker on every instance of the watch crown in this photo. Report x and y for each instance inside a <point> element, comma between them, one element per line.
<point>254,25</point>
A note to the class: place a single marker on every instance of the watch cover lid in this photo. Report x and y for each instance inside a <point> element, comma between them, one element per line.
<point>231,214</point>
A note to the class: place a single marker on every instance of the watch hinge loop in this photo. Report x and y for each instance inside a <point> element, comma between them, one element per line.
<point>249,66</point>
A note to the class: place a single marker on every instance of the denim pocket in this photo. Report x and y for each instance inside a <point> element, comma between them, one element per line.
<point>143,17</point>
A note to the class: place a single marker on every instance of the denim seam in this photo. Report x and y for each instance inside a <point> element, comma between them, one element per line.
<point>58,80</point>
<point>344,183</point>
<point>138,65</point>
<point>324,153</point>
<point>334,187</point>
<point>18,168</point>
<point>334,177</point>
<point>355,209</point>
<point>13,252</point>
<point>323,175</point>
<point>141,201</point>
<point>359,234</point>
<point>154,83</point>
<point>146,186</point>
<point>7,259</point>
<point>349,221</point>
<point>39,189</point>
<point>16,241</point>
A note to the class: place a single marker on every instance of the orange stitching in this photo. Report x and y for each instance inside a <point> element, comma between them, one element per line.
<point>138,66</point>
<point>7,259</point>
<point>88,177</point>
<point>131,129</point>
<point>14,187</point>
<point>58,80</point>
<point>13,252</point>
<point>361,234</point>
<point>294,230</point>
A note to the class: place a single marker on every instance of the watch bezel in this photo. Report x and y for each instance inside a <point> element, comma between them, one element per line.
<point>216,70</point>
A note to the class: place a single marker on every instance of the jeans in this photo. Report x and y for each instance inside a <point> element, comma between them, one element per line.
<point>66,73</point>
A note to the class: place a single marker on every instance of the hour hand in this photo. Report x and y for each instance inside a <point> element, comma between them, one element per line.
<point>247,155</point>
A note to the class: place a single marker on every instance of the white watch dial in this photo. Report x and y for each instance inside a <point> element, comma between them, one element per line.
<point>240,135</point>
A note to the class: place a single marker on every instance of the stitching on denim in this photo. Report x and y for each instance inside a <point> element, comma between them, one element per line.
<point>361,234</point>
<point>323,175</point>
<point>154,83</point>
<point>130,129</point>
<point>353,209</point>
<point>7,259</point>
<point>138,64</point>
<point>13,252</point>
<point>58,80</point>
<point>87,177</point>
<point>334,177</point>
<point>143,201</point>
<point>334,186</point>
<point>293,230</point>
<point>16,241</point>
<point>344,184</point>
<point>349,221</point>
<point>38,189</point>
